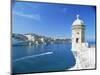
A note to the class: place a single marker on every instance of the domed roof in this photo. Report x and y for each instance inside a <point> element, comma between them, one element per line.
<point>78,21</point>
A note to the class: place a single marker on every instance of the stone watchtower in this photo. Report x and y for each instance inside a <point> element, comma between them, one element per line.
<point>78,34</point>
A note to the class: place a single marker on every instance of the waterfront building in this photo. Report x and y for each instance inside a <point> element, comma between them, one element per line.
<point>30,37</point>
<point>78,34</point>
<point>84,55</point>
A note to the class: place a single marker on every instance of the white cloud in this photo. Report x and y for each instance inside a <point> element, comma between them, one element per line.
<point>30,16</point>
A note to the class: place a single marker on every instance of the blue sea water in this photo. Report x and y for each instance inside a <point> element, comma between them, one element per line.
<point>42,58</point>
<point>91,43</point>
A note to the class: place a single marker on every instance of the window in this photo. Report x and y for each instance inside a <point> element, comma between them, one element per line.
<point>77,40</point>
<point>77,32</point>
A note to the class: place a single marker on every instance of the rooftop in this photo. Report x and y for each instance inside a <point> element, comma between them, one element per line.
<point>78,21</point>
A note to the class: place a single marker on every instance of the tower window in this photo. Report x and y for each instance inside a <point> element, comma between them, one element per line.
<point>77,32</point>
<point>77,40</point>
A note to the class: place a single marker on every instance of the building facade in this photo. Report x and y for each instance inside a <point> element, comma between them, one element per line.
<point>78,34</point>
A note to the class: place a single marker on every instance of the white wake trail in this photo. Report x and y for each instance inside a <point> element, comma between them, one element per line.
<point>32,56</point>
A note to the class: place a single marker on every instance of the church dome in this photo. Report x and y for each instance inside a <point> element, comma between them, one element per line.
<point>78,21</point>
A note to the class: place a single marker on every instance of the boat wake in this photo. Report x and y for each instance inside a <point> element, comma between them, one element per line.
<point>32,56</point>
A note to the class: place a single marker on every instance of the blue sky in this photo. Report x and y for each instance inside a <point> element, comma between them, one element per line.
<point>54,20</point>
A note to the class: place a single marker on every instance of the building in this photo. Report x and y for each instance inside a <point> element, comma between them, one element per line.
<point>30,37</point>
<point>84,55</point>
<point>78,34</point>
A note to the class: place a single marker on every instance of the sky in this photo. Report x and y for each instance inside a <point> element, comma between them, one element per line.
<point>53,20</point>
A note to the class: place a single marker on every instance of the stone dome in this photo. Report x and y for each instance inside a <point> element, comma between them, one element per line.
<point>78,21</point>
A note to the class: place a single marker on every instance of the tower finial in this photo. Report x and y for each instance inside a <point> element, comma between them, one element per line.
<point>78,16</point>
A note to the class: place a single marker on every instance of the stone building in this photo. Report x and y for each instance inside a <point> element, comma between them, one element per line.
<point>78,34</point>
<point>84,55</point>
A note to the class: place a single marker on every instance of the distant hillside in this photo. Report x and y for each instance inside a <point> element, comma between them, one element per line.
<point>38,39</point>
